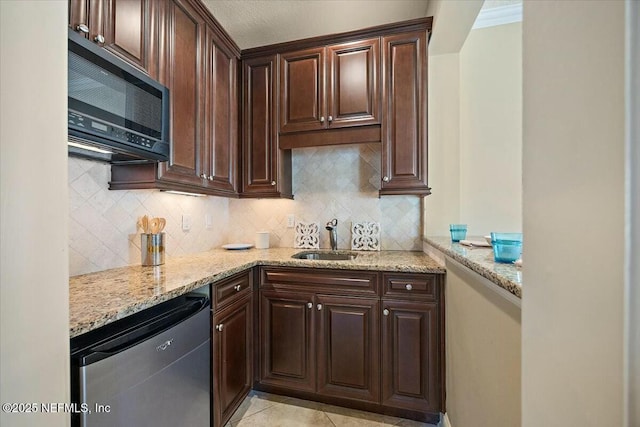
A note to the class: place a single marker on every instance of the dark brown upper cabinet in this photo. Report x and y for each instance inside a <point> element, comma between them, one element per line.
<point>220,157</point>
<point>183,72</point>
<point>353,84</point>
<point>198,63</point>
<point>266,170</point>
<point>124,27</point>
<point>329,88</point>
<point>404,127</point>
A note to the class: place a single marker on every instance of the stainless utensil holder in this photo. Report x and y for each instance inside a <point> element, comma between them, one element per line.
<point>152,249</point>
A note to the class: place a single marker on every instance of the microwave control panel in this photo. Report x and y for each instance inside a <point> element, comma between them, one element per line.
<point>91,125</point>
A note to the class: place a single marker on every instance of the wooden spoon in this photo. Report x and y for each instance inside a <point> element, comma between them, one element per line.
<point>154,224</point>
<point>162,223</point>
<point>144,222</point>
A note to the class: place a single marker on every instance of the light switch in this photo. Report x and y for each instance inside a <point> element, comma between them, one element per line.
<point>291,221</point>
<point>208,221</point>
<point>186,222</point>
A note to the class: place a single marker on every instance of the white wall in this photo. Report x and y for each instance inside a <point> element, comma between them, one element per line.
<point>442,207</point>
<point>475,133</point>
<point>34,306</point>
<point>573,206</point>
<point>632,294</point>
<point>491,130</point>
<point>483,353</point>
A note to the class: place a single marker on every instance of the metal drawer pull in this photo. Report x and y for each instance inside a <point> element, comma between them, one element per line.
<point>82,28</point>
<point>309,305</point>
<point>322,119</point>
<point>408,286</point>
<point>385,312</point>
<point>385,178</point>
<point>99,38</point>
<point>219,327</point>
<point>319,307</point>
<point>237,288</point>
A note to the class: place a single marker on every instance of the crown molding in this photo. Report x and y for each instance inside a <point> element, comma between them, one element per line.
<point>498,16</point>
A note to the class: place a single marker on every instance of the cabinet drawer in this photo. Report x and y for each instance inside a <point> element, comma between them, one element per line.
<point>231,289</point>
<point>320,280</point>
<point>403,285</point>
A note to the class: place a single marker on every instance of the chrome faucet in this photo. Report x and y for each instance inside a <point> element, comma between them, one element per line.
<point>332,228</point>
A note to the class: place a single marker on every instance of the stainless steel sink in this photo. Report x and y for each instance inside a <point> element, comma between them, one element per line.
<point>326,256</point>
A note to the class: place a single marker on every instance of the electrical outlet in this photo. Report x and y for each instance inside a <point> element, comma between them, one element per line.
<point>208,221</point>
<point>291,221</point>
<point>186,222</point>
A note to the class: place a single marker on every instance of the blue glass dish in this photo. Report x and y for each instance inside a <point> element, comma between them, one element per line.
<point>507,247</point>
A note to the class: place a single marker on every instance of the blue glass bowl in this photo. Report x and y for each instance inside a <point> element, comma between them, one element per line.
<point>507,247</point>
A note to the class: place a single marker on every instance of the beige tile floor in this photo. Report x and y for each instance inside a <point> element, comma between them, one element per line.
<point>269,410</point>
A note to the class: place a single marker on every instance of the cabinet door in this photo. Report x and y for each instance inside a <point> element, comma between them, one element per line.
<point>232,358</point>
<point>287,347</point>
<point>221,118</point>
<point>348,347</point>
<point>411,358</point>
<point>126,28</point>
<point>404,129</point>
<point>302,100</point>
<point>353,93</point>
<point>266,170</point>
<point>182,71</point>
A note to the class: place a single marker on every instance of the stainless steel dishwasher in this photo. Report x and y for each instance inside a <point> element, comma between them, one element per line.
<point>148,369</point>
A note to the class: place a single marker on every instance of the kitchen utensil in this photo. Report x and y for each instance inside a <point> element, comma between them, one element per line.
<point>154,225</point>
<point>144,222</point>
<point>162,224</point>
<point>152,249</point>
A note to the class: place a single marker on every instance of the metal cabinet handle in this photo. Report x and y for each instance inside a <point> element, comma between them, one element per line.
<point>82,28</point>
<point>273,183</point>
<point>219,327</point>
<point>385,178</point>
<point>99,39</point>
<point>237,288</point>
<point>408,286</point>
<point>319,307</point>
<point>322,119</point>
<point>210,177</point>
<point>309,305</point>
<point>203,176</point>
<point>385,312</point>
<point>330,119</point>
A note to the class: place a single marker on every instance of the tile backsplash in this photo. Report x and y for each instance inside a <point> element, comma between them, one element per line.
<point>332,182</point>
<point>328,182</point>
<point>102,228</point>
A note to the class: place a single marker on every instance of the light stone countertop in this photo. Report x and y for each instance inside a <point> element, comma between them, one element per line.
<point>480,260</point>
<point>97,299</point>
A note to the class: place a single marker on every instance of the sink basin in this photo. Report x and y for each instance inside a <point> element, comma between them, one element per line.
<point>326,256</point>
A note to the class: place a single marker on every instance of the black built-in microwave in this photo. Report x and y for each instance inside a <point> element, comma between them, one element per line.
<point>116,112</point>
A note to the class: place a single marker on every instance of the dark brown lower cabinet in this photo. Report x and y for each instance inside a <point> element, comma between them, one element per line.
<point>232,357</point>
<point>348,347</point>
<point>411,374</point>
<point>340,337</point>
<point>287,340</point>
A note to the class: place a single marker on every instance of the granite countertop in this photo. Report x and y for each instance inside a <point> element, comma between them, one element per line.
<point>97,299</point>
<point>480,260</point>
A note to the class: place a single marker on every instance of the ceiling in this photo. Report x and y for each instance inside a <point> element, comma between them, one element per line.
<point>252,23</point>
